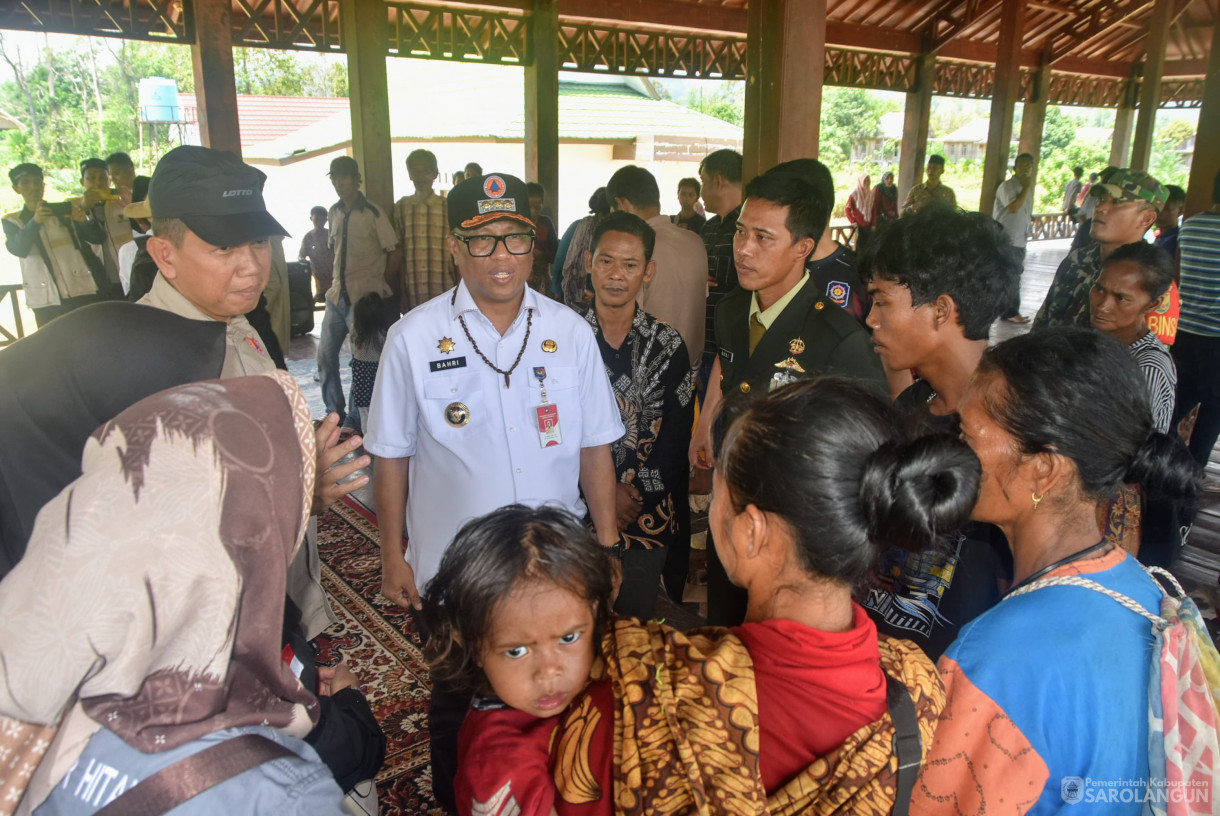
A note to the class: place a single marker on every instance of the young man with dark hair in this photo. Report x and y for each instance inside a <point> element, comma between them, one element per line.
<point>774,330</point>
<point>421,221</point>
<point>688,217</point>
<point>720,179</point>
<point>930,191</point>
<point>105,208</point>
<point>1198,343</point>
<point>59,269</point>
<point>363,240</point>
<point>316,249</point>
<point>1071,191</point>
<point>938,280</point>
<point>546,241</point>
<point>650,372</point>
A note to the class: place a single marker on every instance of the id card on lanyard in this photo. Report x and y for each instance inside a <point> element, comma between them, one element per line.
<point>547,414</point>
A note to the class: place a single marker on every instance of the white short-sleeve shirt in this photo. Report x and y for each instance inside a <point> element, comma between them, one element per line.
<point>431,379</point>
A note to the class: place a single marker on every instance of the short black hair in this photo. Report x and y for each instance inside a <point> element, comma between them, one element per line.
<point>92,164</point>
<point>866,484</point>
<point>478,170</point>
<point>725,162</point>
<point>807,211</point>
<point>1020,156</point>
<point>1077,171</point>
<point>422,154</point>
<point>942,251</point>
<point>489,558</point>
<point>691,182</point>
<point>636,185</point>
<point>1078,393</point>
<point>629,223</point>
<point>533,188</point>
<point>121,159</point>
<point>811,171</point>
<point>318,210</point>
<point>1155,262</point>
<point>936,158</point>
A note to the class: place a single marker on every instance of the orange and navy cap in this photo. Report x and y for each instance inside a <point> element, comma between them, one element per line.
<point>488,198</point>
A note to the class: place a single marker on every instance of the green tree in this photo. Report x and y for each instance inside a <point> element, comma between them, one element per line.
<point>723,100</point>
<point>847,115</point>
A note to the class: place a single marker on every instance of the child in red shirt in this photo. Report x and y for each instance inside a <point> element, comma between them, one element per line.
<point>516,613</point>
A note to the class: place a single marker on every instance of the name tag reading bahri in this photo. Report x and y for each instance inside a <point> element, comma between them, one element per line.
<point>444,365</point>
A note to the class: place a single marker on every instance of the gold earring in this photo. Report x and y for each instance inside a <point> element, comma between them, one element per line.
<point>1036,498</point>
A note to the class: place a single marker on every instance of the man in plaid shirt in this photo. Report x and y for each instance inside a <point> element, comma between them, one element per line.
<point>422,223</point>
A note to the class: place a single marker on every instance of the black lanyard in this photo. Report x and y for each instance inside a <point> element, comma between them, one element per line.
<point>1063,561</point>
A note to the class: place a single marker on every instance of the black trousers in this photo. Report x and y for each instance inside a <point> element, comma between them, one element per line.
<point>446,712</point>
<point>1197,358</point>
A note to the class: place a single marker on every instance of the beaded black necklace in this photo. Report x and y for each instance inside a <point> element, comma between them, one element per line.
<point>529,320</point>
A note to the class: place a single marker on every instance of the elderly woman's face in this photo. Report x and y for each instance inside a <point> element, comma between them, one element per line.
<point>1003,493</point>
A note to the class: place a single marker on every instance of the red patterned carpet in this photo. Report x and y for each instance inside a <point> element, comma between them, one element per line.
<point>381,645</point>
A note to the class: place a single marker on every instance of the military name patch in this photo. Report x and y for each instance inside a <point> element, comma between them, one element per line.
<point>445,365</point>
<point>491,205</point>
<point>726,355</point>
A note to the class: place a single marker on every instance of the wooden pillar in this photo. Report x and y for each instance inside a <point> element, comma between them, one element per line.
<point>365,29</point>
<point>542,102</point>
<point>916,116</point>
<point>1003,99</point>
<point>1124,122</point>
<point>1150,88</point>
<point>1033,118</point>
<point>785,64</point>
<point>1206,161</point>
<point>215,86</point>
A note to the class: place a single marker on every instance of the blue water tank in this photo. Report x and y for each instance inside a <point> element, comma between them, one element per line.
<point>159,100</point>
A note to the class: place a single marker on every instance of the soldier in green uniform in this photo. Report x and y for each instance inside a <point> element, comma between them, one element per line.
<point>774,329</point>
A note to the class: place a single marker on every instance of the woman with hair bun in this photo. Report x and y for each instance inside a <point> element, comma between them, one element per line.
<point>1050,687</point>
<point>798,709</point>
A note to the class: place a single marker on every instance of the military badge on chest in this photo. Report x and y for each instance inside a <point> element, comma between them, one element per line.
<point>788,368</point>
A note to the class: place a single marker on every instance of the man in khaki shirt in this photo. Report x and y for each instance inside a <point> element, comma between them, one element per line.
<point>211,242</point>
<point>677,293</point>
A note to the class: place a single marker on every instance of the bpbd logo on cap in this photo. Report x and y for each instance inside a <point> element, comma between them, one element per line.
<point>494,187</point>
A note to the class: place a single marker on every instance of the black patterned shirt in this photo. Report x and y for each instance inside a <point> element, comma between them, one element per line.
<point>651,378</point>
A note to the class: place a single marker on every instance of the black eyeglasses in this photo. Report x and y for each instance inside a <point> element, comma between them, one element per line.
<point>481,246</point>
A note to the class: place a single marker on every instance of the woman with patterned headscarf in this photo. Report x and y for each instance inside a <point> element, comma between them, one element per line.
<point>143,626</point>
<point>860,210</point>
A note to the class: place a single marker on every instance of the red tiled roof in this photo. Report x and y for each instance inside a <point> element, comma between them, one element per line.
<point>264,118</point>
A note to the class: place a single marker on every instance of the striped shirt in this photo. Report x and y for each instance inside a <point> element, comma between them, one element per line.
<point>1199,246</point>
<point>1154,361</point>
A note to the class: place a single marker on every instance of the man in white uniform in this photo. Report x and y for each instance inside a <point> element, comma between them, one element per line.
<point>487,395</point>
<point>1014,209</point>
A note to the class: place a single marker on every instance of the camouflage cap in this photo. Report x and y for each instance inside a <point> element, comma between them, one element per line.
<point>1133,185</point>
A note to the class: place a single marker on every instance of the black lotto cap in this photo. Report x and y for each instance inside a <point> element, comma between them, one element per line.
<point>488,198</point>
<point>22,170</point>
<point>92,164</point>
<point>217,195</point>
<point>344,166</point>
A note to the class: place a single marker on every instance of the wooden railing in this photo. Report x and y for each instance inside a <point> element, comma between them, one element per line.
<point>1052,226</point>
<point>8,337</point>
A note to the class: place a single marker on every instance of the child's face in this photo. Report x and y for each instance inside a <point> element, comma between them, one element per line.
<point>539,650</point>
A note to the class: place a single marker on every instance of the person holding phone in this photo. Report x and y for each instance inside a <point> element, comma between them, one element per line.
<point>52,241</point>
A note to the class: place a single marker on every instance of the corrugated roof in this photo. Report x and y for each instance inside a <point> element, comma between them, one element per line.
<point>266,118</point>
<point>437,101</point>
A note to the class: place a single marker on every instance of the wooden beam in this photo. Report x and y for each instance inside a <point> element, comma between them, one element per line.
<point>542,102</point>
<point>785,65</point>
<point>1206,161</point>
<point>665,13</point>
<point>365,30</point>
<point>1124,123</point>
<point>976,51</point>
<point>975,10</point>
<point>215,85</point>
<point>1150,87</point>
<point>1003,99</point>
<point>1100,20</point>
<point>1033,117</point>
<point>917,115</point>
